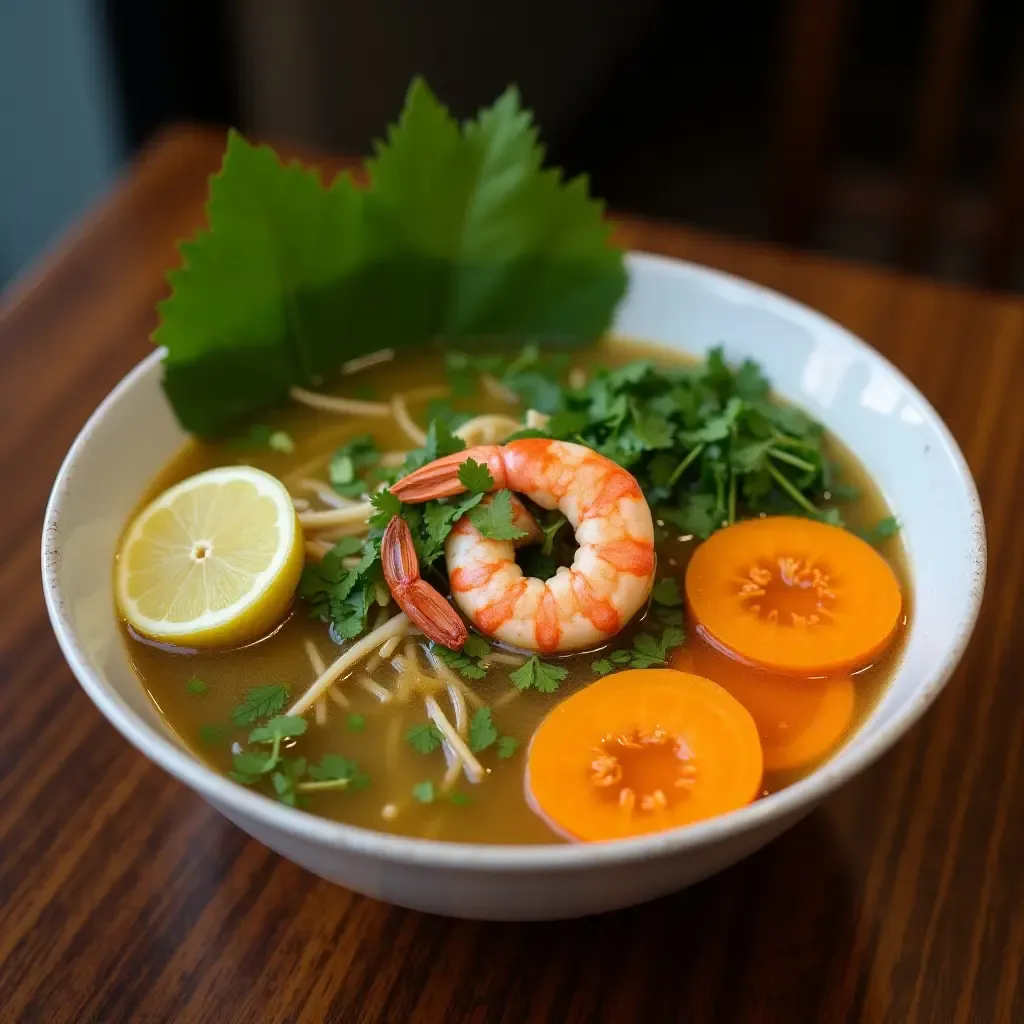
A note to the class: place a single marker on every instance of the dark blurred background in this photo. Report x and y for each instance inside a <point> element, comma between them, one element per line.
<point>890,131</point>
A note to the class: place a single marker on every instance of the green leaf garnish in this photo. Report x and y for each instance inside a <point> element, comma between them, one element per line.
<point>666,592</point>
<point>260,702</point>
<point>424,738</point>
<point>291,277</point>
<point>482,732</point>
<point>475,477</point>
<point>423,792</point>
<point>196,685</point>
<point>280,728</point>
<point>507,746</point>
<point>459,799</point>
<point>355,723</point>
<point>211,733</point>
<point>350,461</point>
<point>494,519</point>
<point>540,675</point>
<point>650,652</point>
<point>467,661</point>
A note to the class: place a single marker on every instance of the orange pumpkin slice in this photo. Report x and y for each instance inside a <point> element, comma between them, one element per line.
<point>800,721</point>
<point>794,596</point>
<point>643,751</point>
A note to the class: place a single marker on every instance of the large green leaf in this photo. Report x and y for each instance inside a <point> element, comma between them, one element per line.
<point>460,234</point>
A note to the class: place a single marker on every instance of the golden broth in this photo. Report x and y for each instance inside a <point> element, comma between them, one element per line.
<point>497,810</point>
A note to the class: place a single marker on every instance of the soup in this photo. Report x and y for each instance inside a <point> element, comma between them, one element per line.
<point>420,740</point>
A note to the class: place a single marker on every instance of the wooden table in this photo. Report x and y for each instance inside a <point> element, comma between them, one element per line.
<point>124,897</point>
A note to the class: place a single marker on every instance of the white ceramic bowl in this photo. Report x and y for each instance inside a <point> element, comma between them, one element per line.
<point>810,360</point>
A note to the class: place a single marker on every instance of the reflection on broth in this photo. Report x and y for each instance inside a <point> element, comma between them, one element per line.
<point>410,739</point>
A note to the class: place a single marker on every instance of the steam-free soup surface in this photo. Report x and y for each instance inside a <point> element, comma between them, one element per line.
<point>196,692</point>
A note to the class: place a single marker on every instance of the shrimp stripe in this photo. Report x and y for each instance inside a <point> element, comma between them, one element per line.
<point>547,630</point>
<point>613,487</point>
<point>632,556</point>
<point>470,577</point>
<point>491,616</point>
<point>601,613</point>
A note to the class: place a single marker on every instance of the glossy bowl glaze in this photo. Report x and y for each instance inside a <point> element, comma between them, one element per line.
<point>811,360</point>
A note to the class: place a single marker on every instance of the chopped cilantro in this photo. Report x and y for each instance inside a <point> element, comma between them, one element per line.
<point>260,702</point>
<point>196,685</point>
<point>666,592</point>
<point>482,732</point>
<point>648,651</point>
<point>464,662</point>
<point>355,723</point>
<point>540,675</point>
<point>423,792</point>
<point>475,477</point>
<point>459,799</point>
<point>349,461</point>
<point>424,738</point>
<point>507,746</point>
<point>211,733</point>
<point>494,519</point>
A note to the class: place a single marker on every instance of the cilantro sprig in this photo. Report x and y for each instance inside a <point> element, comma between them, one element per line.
<point>538,675</point>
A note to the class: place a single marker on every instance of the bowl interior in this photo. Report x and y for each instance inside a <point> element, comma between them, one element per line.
<point>809,359</point>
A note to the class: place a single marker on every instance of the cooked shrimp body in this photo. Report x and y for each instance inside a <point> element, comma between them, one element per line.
<point>580,606</point>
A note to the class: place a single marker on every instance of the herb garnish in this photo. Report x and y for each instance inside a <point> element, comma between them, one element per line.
<point>423,792</point>
<point>260,702</point>
<point>541,675</point>
<point>341,272</point>
<point>424,738</point>
<point>196,686</point>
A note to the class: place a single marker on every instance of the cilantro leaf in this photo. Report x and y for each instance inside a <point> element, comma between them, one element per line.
<point>338,769</point>
<point>424,738</point>
<point>649,652</point>
<point>464,662</point>
<point>476,646</point>
<point>423,792</point>
<point>260,702</point>
<point>196,686</point>
<point>494,518</point>
<point>279,728</point>
<point>666,592</point>
<point>538,674</point>
<point>475,477</point>
<point>507,746</point>
<point>355,723</point>
<point>290,277</point>
<point>482,732</point>
<point>387,506</point>
<point>602,666</point>
<point>211,733</point>
<point>349,461</point>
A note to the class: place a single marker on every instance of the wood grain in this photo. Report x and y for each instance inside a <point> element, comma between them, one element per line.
<point>123,897</point>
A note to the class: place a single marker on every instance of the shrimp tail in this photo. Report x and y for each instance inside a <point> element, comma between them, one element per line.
<point>440,478</point>
<point>426,608</point>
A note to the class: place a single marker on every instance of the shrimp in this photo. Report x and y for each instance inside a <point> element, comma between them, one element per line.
<point>580,606</point>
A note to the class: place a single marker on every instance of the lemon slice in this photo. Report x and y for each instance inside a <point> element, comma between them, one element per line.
<point>212,562</point>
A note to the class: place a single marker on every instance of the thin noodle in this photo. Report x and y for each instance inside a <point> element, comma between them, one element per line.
<point>405,421</point>
<point>450,677</point>
<point>496,658</point>
<point>474,770</point>
<point>451,776</point>
<point>506,699</point>
<point>314,656</point>
<point>336,517</point>
<point>577,378</point>
<point>378,691</point>
<point>382,617</point>
<point>338,697</point>
<point>301,505</point>
<point>372,663</point>
<point>391,459</point>
<point>384,355</point>
<point>459,710</point>
<point>359,650</point>
<point>325,494</point>
<point>320,711</point>
<point>352,530</point>
<point>386,650</point>
<point>497,390</point>
<point>425,394</point>
<point>537,420</point>
<point>487,429</point>
<point>393,742</point>
<point>331,403</point>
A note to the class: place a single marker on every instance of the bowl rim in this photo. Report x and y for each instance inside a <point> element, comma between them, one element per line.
<point>787,803</point>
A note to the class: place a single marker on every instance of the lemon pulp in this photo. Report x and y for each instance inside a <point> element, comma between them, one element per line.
<point>213,561</point>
